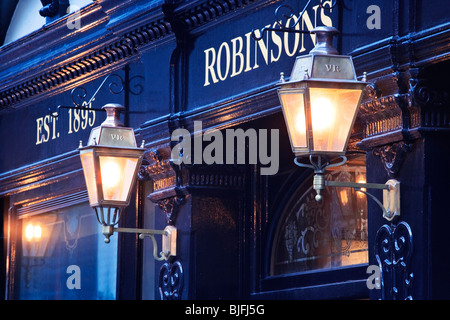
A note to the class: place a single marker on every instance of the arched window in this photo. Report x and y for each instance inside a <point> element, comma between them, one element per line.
<point>317,236</point>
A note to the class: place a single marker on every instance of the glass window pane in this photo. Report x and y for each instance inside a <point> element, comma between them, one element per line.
<point>294,114</point>
<point>117,175</point>
<point>87,160</point>
<point>326,235</point>
<point>332,113</point>
<point>63,256</point>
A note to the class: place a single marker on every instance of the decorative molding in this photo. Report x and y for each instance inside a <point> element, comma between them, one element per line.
<point>392,156</point>
<point>154,167</point>
<point>166,192</point>
<point>172,183</point>
<point>99,59</point>
<point>62,167</point>
<point>199,14</point>
<point>420,104</point>
<point>216,176</point>
<point>405,105</point>
<point>170,208</point>
<point>171,281</point>
<point>380,114</point>
<point>127,45</point>
<point>430,102</point>
<point>393,251</point>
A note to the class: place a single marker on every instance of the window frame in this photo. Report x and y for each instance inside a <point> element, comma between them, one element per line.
<point>28,209</point>
<point>347,282</point>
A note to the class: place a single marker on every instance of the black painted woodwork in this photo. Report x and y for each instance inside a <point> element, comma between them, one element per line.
<point>226,215</point>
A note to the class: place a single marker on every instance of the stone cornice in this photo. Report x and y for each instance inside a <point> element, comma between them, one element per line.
<point>102,48</point>
<point>108,39</point>
<point>196,13</point>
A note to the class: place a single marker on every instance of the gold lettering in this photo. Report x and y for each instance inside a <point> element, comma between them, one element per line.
<point>222,76</point>
<point>209,66</point>
<point>263,48</point>
<point>277,41</point>
<point>287,37</point>
<point>333,68</point>
<point>117,137</point>
<point>46,128</point>
<point>235,54</point>
<point>39,122</point>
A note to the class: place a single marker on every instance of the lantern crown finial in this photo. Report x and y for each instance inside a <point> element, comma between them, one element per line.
<point>324,41</point>
<point>113,115</point>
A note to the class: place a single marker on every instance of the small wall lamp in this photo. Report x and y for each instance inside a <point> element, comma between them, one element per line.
<point>110,163</point>
<point>320,103</point>
<point>33,232</point>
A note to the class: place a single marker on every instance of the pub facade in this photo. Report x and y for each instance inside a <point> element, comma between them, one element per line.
<point>198,81</point>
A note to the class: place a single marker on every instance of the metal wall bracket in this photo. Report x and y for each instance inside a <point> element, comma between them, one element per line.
<point>391,189</point>
<point>79,94</point>
<point>391,194</point>
<point>169,239</point>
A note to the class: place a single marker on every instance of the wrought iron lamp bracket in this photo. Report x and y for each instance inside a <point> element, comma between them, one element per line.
<point>391,189</point>
<point>319,166</point>
<point>169,239</point>
<point>116,86</point>
<point>292,29</point>
<point>391,194</point>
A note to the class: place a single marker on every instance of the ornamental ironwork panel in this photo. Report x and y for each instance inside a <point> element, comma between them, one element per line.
<point>171,281</point>
<point>393,250</point>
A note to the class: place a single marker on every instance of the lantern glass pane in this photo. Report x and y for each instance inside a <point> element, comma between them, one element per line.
<point>332,115</point>
<point>87,160</point>
<point>294,114</point>
<point>117,175</point>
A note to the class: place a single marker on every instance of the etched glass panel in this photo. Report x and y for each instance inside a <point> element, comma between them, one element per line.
<point>326,235</point>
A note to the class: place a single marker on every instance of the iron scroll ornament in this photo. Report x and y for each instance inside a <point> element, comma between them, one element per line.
<point>286,12</point>
<point>79,93</point>
<point>171,281</point>
<point>393,251</point>
<point>116,85</point>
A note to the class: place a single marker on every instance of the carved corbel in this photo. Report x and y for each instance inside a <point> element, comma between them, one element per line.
<point>170,208</point>
<point>157,167</point>
<point>424,95</point>
<point>392,156</point>
<point>429,101</point>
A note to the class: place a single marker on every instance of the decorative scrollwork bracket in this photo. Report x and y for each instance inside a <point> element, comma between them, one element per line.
<point>391,189</point>
<point>169,239</point>
<point>79,93</point>
<point>285,12</point>
<point>392,156</point>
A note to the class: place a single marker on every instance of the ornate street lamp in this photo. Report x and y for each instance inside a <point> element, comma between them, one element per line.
<point>321,99</point>
<point>111,161</point>
<point>320,103</point>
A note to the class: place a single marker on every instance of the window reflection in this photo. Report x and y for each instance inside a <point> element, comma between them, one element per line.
<point>54,241</point>
<point>330,234</point>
